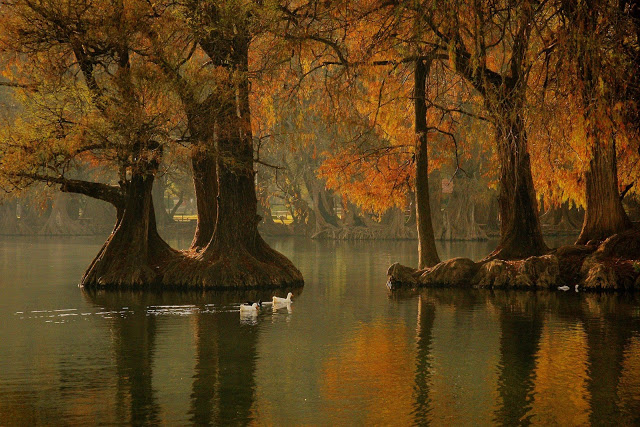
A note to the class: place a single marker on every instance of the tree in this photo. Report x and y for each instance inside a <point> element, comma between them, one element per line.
<point>591,28</point>
<point>475,37</point>
<point>89,97</point>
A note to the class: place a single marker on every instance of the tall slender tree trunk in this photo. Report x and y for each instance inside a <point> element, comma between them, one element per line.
<point>427,252</point>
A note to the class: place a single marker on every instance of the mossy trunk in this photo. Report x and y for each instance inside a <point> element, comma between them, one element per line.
<point>134,253</point>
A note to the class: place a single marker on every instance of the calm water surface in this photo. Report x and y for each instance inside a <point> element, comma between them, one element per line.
<point>346,353</point>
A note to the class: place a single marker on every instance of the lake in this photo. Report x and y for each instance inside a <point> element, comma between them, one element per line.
<point>346,352</point>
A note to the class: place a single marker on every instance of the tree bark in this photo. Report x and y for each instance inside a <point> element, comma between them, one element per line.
<point>134,252</point>
<point>427,252</point>
<point>236,256</point>
<point>605,215</point>
<point>205,183</point>
<point>520,232</point>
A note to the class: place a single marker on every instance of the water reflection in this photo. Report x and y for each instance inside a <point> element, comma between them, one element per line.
<point>521,321</point>
<point>609,326</point>
<point>346,353</point>
<point>422,401</point>
<point>133,337</point>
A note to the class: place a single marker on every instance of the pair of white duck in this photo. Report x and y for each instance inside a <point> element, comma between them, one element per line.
<point>253,307</point>
<point>566,288</point>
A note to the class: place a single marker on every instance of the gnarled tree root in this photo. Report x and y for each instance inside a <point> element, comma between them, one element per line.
<point>232,269</point>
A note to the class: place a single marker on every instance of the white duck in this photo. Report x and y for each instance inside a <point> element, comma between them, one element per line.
<point>249,308</point>
<point>563,288</point>
<point>278,300</point>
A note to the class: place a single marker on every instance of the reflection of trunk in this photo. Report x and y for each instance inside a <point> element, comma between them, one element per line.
<point>519,344</point>
<point>427,252</point>
<point>224,382</point>
<point>205,391</point>
<point>133,338</point>
<point>130,256</point>
<point>59,222</point>
<point>608,337</point>
<point>9,222</point>
<point>424,338</point>
<point>206,190</point>
<point>459,216</point>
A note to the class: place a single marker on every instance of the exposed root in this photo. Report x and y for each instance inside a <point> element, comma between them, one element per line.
<point>613,265</point>
<point>232,269</point>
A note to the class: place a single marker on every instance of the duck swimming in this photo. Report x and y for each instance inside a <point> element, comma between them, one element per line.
<point>249,307</point>
<point>563,288</point>
<point>287,300</point>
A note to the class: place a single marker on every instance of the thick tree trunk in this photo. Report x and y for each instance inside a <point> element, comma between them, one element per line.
<point>520,232</point>
<point>351,217</point>
<point>59,222</point>
<point>236,256</point>
<point>427,252</point>
<point>133,254</point>
<point>205,183</point>
<point>326,222</point>
<point>605,215</point>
